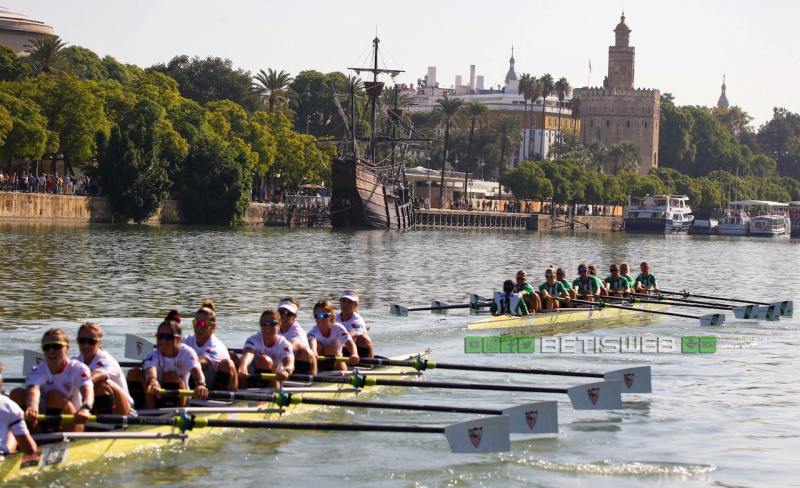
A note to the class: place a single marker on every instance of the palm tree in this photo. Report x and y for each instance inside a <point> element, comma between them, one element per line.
<point>547,89</point>
<point>447,109</point>
<point>536,92</point>
<point>623,156</point>
<point>575,105</point>
<point>47,55</point>
<point>525,88</point>
<point>563,90</point>
<point>507,129</point>
<point>477,114</point>
<point>273,86</point>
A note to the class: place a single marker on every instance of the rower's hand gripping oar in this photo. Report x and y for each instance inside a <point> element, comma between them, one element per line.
<point>634,380</point>
<point>603,395</point>
<point>490,434</point>
<point>531,418</point>
<point>711,319</point>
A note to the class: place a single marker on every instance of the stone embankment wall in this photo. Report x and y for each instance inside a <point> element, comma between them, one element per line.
<point>581,223</point>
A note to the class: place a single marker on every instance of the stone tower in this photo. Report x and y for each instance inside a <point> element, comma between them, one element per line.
<point>618,112</point>
<point>723,100</point>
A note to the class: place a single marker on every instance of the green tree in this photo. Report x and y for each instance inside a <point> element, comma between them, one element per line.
<point>547,88</point>
<point>27,134</point>
<point>623,156</point>
<point>779,138</point>
<point>273,87</point>
<point>563,90</point>
<point>118,71</point>
<point>527,181</point>
<point>447,109</point>
<point>507,132</point>
<point>12,67</point>
<point>675,138</point>
<point>84,63</point>
<point>477,114</point>
<point>47,54</point>
<point>526,82</point>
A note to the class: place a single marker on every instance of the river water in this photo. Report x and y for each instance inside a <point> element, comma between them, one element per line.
<point>728,418</point>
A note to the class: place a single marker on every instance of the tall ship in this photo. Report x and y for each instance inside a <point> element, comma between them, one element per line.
<point>367,192</point>
<point>660,214</point>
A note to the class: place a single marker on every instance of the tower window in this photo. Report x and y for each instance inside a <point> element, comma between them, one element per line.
<point>608,123</point>
<point>591,123</point>
<point>628,123</point>
<point>645,125</point>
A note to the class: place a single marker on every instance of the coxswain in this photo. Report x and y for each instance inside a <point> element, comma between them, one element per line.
<point>354,323</point>
<point>58,385</point>
<point>532,300</point>
<point>585,286</point>
<point>218,368</point>
<point>329,338</point>
<point>507,302</point>
<point>616,284</point>
<point>266,352</point>
<point>13,429</point>
<point>551,290</point>
<point>646,282</point>
<point>168,366</point>
<point>111,394</point>
<point>305,361</point>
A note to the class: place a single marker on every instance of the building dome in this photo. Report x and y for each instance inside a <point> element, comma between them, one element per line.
<point>17,29</point>
<point>723,100</point>
<point>622,25</point>
<point>511,75</point>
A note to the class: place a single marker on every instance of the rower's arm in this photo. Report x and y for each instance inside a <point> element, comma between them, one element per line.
<point>99,376</point>
<point>351,346</point>
<point>244,362</point>
<point>26,443</point>
<point>32,409</point>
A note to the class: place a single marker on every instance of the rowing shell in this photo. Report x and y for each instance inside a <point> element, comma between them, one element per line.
<point>56,451</point>
<point>561,317</point>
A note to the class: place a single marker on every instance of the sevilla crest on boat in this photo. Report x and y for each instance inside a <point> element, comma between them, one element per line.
<point>139,347</point>
<point>531,417</point>
<point>594,395</point>
<point>475,435</point>
<point>628,379</point>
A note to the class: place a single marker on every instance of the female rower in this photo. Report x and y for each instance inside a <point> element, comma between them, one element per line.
<point>304,358</point>
<point>586,287</point>
<point>507,302</point>
<point>616,284</point>
<point>551,290</point>
<point>532,300</point>
<point>354,323</point>
<point>13,430</point>
<point>111,394</point>
<point>624,269</point>
<point>328,337</point>
<point>218,368</point>
<point>561,277</point>
<point>59,385</point>
<point>266,352</point>
<point>167,366</point>
<point>593,272</point>
<point>646,282</point>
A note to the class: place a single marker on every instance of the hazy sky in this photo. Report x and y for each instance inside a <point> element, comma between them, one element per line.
<point>682,47</point>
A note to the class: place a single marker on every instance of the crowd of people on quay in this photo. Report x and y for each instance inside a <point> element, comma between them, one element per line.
<point>520,298</point>
<point>493,205</point>
<point>91,382</point>
<point>53,184</point>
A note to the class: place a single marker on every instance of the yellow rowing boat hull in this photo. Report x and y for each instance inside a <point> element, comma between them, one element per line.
<point>564,316</point>
<point>74,452</point>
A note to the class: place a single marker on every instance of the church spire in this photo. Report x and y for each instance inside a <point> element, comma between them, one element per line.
<point>511,75</point>
<point>723,100</point>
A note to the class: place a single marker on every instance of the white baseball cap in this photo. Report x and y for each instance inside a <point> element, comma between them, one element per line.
<point>289,306</point>
<point>350,295</point>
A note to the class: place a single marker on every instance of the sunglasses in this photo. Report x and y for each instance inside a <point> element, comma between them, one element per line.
<point>521,277</point>
<point>322,315</point>
<point>165,337</point>
<point>285,312</point>
<point>582,270</point>
<point>548,276</point>
<point>202,323</point>
<point>269,323</point>
<point>614,270</point>
<point>55,345</point>
<point>88,340</point>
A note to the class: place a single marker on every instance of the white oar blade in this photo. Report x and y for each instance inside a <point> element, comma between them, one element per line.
<point>746,312</point>
<point>30,358</point>
<point>137,347</point>
<point>634,380</point>
<point>712,319</point>
<point>395,309</point>
<point>475,301</point>
<point>436,304</point>
<point>533,418</point>
<point>474,297</point>
<point>787,308</point>
<point>603,395</point>
<point>490,434</point>
<point>774,310</point>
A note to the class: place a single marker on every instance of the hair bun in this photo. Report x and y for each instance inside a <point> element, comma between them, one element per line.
<point>209,304</point>
<point>173,315</point>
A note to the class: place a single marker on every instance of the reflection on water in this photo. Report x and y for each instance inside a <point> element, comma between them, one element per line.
<point>727,418</point>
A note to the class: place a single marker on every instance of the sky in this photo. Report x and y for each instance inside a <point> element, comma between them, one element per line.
<point>682,47</point>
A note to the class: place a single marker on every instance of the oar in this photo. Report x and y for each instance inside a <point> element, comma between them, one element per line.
<point>603,395</point>
<point>635,380</point>
<point>786,307</point>
<point>137,347</point>
<point>490,434</point>
<point>436,307</point>
<point>712,319</point>
<point>531,418</point>
<point>747,312</point>
<point>635,298</point>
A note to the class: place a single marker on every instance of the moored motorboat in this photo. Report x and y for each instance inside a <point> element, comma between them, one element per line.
<point>669,214</point>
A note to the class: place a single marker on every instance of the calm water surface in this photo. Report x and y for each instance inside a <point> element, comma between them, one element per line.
<point>724,419</point>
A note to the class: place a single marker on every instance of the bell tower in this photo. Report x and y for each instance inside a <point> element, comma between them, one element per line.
<point>621,58</point>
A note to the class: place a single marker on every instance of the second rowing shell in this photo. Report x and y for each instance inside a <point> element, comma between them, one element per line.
<point>563,317</point>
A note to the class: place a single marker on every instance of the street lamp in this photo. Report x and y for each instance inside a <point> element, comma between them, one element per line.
<point>429,190</point>
<point>429,166</point>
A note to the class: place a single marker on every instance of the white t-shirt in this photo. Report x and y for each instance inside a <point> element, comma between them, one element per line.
<point>213,349</point>
<point>182,363</point>
<point>337,337</point>
<point>279,350</point>
<point>355,325</point>
<point>295,332</point>
<point>68,381</point>
<point>12,419</point>
<point>108,365</point>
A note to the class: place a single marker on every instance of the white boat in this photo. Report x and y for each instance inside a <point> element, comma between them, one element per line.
<point>669,214</point>
<point>794,215</point>
<point>756,217</point>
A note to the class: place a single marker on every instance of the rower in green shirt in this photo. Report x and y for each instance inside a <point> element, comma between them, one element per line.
<point>623,271</point>
<point>507,302</point>
<point>586,287</point>
<point>551,290</point>
<point>646,282</point>
<point>532,301</point>
<point>616,284</point>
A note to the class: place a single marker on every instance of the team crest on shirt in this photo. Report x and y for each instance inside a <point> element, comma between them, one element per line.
<point>286,349</point>
<point>475,435</point>
<point>211,352</point>
<point>100,364</point>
